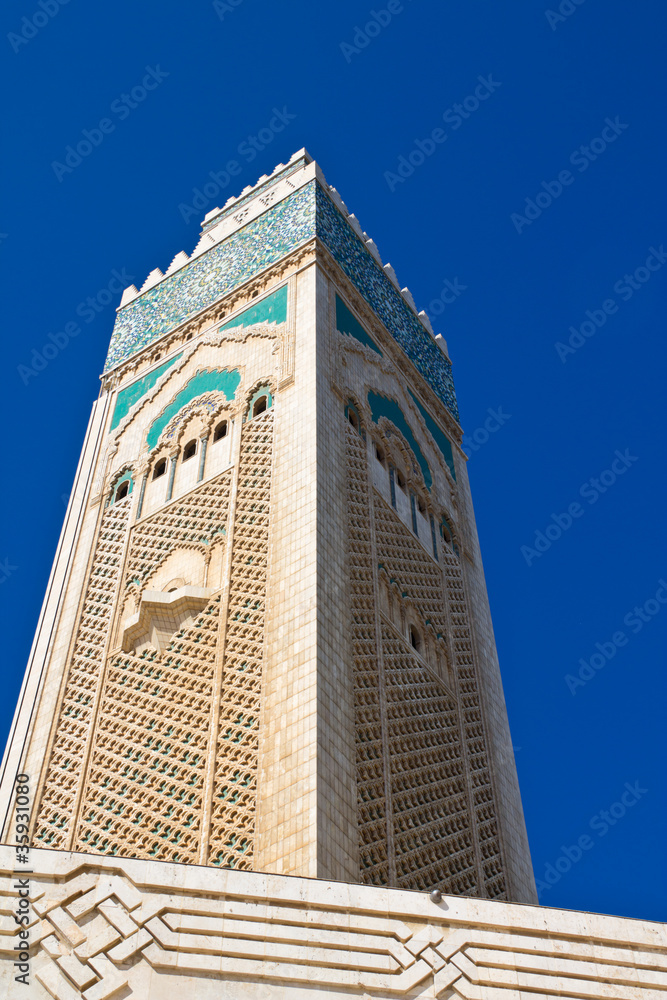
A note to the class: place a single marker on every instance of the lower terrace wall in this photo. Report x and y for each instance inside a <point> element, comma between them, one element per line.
<point>103,928</point>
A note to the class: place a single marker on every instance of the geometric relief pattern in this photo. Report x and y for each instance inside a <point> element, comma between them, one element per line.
<point>145,782</point>
<point>482,789</point>
<point>414,741</point>
<point>433,836</point>
<point>407,562</point>
<point>232,831</point>
<point>194,521</point>
<point>422,582</point>
<point>371,804</point>
<point>432,829</point>
<point>73,727</point>
<point>117,929</point>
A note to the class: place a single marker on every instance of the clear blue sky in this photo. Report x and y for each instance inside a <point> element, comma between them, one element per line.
<point>360,101</point>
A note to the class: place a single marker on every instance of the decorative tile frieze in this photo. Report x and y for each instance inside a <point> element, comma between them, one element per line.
<point>381,294</point>
<point>212,275</point>
<point>243,254</point>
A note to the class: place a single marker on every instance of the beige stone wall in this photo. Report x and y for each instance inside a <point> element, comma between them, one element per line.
<point>287,783</point>
<point>106,927</point>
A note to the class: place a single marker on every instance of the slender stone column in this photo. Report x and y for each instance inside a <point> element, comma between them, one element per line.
<point>141,495</point>
<point>202,456</point>
<point>172,473</point>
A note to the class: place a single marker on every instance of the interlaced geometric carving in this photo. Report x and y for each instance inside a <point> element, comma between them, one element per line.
<point>194,521</point>
<point>121,928</point>
<point>232,832</point>
<point>483,797</point>
<point>371,805</point>
<point>143,796</point>
<point>73,727</point>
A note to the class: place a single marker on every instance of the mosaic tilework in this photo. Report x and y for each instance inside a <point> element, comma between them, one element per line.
<point>358,264</point>
<point>258,245</point>
<point>205,280</point>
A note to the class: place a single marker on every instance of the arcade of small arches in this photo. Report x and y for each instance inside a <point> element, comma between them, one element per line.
<point>397,477</point>
<point>205,433</point>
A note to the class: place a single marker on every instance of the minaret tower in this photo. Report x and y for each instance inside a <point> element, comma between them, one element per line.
<point>266,641</point>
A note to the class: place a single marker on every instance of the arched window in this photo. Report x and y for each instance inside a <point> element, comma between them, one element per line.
<point>160,468</point>
<point>415,638</point>
<point>379,454</point>
<point>352,416</point>
<point>122,490</point>
<point>259,406</point>
<point>189,450</point>
<point>448,536</point>
<point>400,479</point>
<point>260,402</point>
<point>220,431</point>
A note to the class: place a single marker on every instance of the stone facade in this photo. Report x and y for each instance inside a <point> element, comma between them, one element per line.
<point>107,927</point>
<point>266,646</point>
